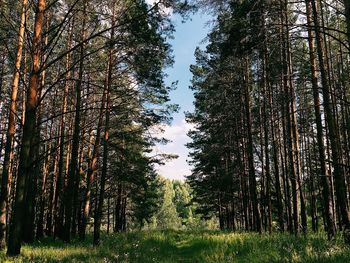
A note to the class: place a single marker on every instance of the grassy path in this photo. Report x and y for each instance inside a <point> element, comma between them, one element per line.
<point>192,247</point>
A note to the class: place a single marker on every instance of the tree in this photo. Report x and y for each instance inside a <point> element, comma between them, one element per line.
<point>167,216</point>
<point>14,244</point>
<point>265,135</point>
<point>11,128</point>
<point>73,98</point>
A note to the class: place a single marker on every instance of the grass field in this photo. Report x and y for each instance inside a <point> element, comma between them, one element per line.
<point>181,246</point>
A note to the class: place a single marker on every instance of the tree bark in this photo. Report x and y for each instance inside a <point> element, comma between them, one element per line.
<point>98,212</point>
<point>252,179</point>
<point>11,129</point>
<point>14,244</point>
<point>72,174</point>
<point>92,168</point>
<point>339,176</point>
<point>347,18</point>
<point>59,178</point>
<point>327,202</point>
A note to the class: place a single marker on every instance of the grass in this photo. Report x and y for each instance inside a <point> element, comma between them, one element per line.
<point>182,246</point>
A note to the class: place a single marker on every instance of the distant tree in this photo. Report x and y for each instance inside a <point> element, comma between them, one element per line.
<point>147,200</point>
<point>182,200</point>
<point>167,216</point>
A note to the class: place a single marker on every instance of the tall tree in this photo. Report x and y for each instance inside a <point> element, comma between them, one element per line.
<point>14,243</point>
<point>11,129</point>
<point>340,187</point>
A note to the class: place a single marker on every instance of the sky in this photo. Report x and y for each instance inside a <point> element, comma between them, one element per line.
<point>187,37</point>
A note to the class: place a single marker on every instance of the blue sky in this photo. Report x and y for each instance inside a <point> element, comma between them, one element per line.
<point>188,36</point>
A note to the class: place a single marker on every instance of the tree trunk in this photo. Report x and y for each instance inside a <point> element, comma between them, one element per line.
<point>347,17</point>
<point>339,176</point>
<point>98,212</point>
<point>32,184</point>
<point>59,180</point>
<point>327,202</point>
<point>252,179</point>
<point>72,174</point>
<point>14,244</point>
<point>11,129</point>
<point>92,169</point>
<point>118,209</point>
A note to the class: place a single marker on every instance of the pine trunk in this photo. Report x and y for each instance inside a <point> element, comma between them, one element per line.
<point>14,243</point>
<point>73,165</point>
<point>339,176</point>
<point>327,202</point>
<point>11,129</point>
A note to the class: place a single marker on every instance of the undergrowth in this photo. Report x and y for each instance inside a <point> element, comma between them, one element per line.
<point>194,246</point>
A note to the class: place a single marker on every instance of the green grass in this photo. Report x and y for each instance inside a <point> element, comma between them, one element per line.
<point>181,246</point>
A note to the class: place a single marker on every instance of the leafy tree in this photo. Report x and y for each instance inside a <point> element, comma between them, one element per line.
<point>167,216</point>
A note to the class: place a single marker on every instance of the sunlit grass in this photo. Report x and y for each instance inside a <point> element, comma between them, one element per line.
<point>182,246</point>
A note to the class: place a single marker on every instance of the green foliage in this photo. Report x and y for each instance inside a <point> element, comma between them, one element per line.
<point>146,201</point>
<point>167,217</point>
<point>176,209</point>
<point>195,246</point>
<point>182,199</point>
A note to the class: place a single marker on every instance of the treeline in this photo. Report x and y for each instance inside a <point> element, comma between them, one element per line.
<point>81,87</point>
<point>271,144</point>
<point>173,208</point>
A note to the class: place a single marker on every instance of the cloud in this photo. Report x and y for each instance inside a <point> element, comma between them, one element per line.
<point>177,133</point>
<point>173,132</point>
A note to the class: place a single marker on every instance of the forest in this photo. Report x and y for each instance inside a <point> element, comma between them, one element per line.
<point>84,101</point>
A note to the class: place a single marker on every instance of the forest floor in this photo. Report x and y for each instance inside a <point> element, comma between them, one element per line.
<point>189,246</point>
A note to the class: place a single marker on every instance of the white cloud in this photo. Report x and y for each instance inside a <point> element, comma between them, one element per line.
<point>172,132</point>
<point>177,133</point>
